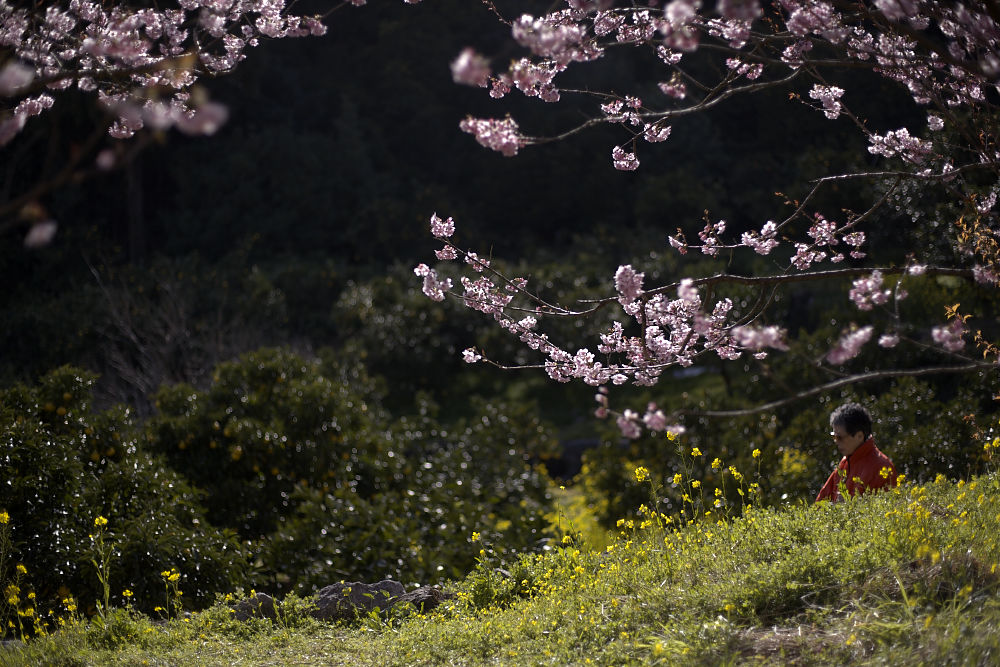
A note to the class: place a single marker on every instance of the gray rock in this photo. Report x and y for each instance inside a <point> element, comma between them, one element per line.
<point>347,601</point>
<point>424,598</point>
<point>260,606</point>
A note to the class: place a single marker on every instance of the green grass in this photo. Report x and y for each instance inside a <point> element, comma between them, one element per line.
<point>905,577</point>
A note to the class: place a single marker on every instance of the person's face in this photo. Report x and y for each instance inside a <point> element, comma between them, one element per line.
<point>846,442</point>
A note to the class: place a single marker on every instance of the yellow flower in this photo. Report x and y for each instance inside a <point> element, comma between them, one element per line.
<point>165,573</point>
<point>884,472</point>
<point>900,479</point>
<point>695,484</point>
<point>641,474</point>
<point>476,536</point>
<point>695,452</point>
<point>174,577</point>
<point>716,464</point>
<point>100,521</point>
<point>756,453</point>
<point>22,569</point>
<point>678,478</point>
<point>4,517</point>
<point>127,593</point>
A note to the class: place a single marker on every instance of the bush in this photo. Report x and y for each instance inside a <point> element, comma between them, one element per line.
<point>300,458</point>
<point>64,466</point>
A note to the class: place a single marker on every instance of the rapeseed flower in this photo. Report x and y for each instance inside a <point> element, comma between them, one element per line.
<point>641,474</point>
<point>100,521</point>
<point>4,517</point>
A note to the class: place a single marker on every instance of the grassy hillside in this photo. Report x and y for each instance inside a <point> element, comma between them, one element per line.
<point>903,577</point>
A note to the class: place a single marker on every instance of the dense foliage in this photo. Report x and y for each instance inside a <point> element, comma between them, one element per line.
<point>300,458</point>
<point>286,473</point>
<point>64,466</point>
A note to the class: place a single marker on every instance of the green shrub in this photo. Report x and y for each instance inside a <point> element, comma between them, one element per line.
<point>299,457</point>
<point>64,466</point>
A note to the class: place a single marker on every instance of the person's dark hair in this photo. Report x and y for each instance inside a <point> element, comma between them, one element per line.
<point>853,417</point>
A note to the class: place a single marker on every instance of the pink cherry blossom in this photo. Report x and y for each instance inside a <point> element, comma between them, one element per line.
<point>14,77</point>
<point>849,346</point>
<point>950,335</point>
<point>40,234</point>
<point>624,161</point>
<point>868,292</point>
<point>499,135</point>
<point>888,340</point>
<point>899,142</point>
<point>757,338</point>
<point>628,423</point>
<point>433,287</point>
<point>442,229</point>
<point>985,275</point>
<point>470,69</point>
<point>654,133</point>
<point>830,97</point>
<point>628,282</point>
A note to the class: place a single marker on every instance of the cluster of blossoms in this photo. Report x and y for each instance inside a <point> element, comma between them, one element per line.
<point>867,292</point>
<point>499,135</point>
<point>899,142</point>
<point>829,96</point>
<point>434,287</point>
<point>849,345</point>
<point>764,242</point>
<point>950,336</point>
<point>141,63</point>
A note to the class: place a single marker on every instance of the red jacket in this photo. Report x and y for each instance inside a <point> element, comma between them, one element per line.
<point>861,471</point>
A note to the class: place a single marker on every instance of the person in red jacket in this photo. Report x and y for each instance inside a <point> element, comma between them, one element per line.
<point>864,467</point>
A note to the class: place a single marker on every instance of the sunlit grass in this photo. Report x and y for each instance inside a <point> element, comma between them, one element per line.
<point>904,577</point>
